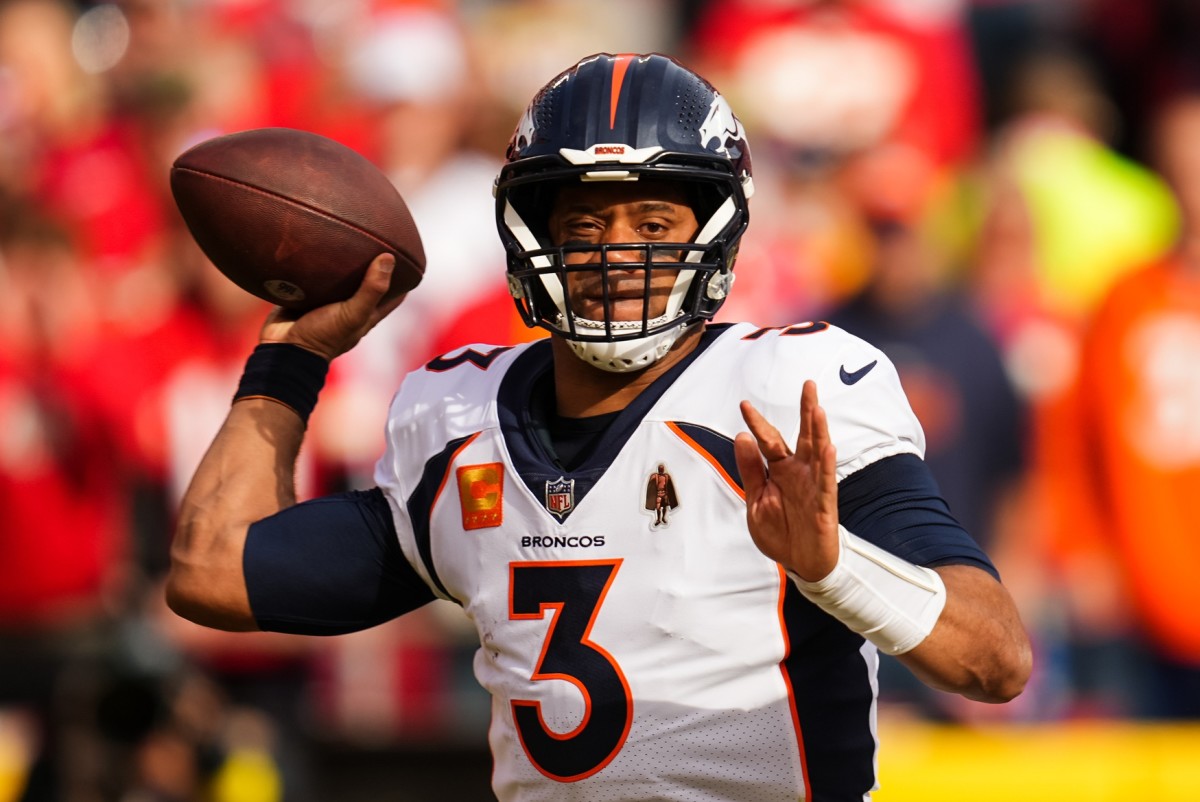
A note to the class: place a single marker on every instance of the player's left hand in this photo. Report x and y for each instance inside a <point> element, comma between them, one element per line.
<point>791,501</point>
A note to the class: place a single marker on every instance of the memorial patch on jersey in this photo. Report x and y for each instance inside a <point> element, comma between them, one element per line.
<point>481,494</point>
<point>661,497</point>
<point>560,495</point>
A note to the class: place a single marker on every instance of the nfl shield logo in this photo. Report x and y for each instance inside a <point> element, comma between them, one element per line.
<point>560,495</point>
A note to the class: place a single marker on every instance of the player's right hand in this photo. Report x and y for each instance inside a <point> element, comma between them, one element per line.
<point>791,494</point>
<point>332,330</point>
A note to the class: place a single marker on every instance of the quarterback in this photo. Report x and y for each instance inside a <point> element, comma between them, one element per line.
<point>683,545</point>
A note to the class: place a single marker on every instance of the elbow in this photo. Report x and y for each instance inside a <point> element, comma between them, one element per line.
<point>991,675</point>
<point>1006,676</point>
<point>207,586</point>
<point>183,597</point>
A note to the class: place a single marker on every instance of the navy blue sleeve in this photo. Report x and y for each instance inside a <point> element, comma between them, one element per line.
<point>330,566</point>
<point>895,504</point>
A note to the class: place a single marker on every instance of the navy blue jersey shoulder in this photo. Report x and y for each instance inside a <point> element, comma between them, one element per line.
<point>330,566</point>
<point>895,503</point>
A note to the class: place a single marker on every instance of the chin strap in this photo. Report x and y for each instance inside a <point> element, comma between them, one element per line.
<point>625,356</point>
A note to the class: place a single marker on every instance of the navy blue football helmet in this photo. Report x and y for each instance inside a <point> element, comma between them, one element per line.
<point>624,118</point>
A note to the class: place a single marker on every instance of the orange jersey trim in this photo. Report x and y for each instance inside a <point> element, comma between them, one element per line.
<point>709,458</point>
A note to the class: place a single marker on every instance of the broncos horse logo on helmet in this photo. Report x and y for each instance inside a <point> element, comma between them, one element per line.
<point>624,118</point>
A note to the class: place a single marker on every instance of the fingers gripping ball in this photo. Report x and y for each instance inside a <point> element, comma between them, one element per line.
<point>293,217</point>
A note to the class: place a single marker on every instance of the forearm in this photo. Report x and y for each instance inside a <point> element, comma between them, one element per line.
<point>249,471</point>
<point>978,648</point>
<point>247,474</point>
<point>955,627</point>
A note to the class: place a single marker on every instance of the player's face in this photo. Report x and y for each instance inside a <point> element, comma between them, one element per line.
<point>628,213</point>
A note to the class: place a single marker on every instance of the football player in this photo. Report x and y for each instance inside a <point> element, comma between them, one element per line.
<point>728,652</point>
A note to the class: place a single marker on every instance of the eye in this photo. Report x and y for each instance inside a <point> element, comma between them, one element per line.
<point>581,228</point>
<point>655,229</point>
<point>583,224</point>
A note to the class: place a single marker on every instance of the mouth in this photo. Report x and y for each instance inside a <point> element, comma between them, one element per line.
<point>629,293</point>
<point>615,296</point>
<point>619,288</point>
<point>625,299</point>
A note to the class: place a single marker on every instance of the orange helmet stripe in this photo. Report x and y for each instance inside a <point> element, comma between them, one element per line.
<point>620,65</point>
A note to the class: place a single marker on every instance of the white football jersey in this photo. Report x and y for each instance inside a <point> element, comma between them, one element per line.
<point>636,643</point>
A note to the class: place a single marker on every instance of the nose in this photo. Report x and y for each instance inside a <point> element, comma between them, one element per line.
<point>623,257</point>
<point>627,258</point>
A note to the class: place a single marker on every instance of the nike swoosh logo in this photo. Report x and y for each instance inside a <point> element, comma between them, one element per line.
<point>853,378</point>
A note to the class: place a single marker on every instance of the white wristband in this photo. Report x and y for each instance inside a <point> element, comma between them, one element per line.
<point>888,600</point>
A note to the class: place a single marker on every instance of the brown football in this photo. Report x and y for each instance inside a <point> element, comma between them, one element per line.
<point>294,217</point>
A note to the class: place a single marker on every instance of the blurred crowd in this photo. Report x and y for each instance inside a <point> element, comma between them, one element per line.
<point>1001,194</point>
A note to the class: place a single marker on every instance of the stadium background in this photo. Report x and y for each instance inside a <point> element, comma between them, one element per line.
<point>987,159</point>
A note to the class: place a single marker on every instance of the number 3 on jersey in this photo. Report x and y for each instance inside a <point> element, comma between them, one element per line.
<point>575,591</point>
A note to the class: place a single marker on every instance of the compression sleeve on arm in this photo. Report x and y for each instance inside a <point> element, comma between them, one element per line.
<point>896,505</point>
<point>878,588</point>
<point>330,566</point>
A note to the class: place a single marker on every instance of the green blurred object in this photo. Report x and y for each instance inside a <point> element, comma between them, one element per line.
<point>1096,215</point>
